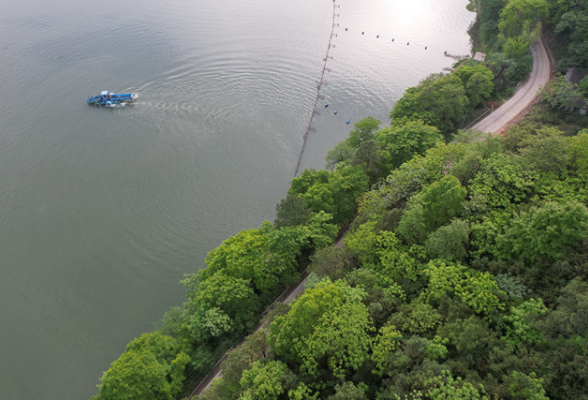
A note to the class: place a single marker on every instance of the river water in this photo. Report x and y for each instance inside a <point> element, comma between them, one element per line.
<point>102,211</point>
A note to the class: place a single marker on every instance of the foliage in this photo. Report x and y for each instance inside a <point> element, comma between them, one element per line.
<point>561,94</point>
<point>403,140</point>
<point>570,317</point>
<point>526,387</point>
<point>152,367</point>
<point>333,192</point>
<point>436,205</point>
<point>363,131</point>
<point>439,100</point>
<point>444,387</point>
<point>518,13</point>
<point>478,81</point>
<point>266,380</point>
<point>519,329</point>
<point>545,231</point>
<point>449,242</point>
<point>293,210</point>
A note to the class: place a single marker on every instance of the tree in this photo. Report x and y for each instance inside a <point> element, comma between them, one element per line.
<point>444,387</point>
<point>571,21</point>
<point>545,232</point>
<point>476,289</point>
<point>368,156</point>
<point>267,380</point>
<point>341,153</point>
<point>519,321</point>
<point>501,66</point>
<point>242,358</point>
<point>479,88</point>
<point>293,210</point>
<point>404,139</point>
<point>151,368</point>
<point>385,342</point>
<point>364,130</point>
<point>238,256</point>
<point>478,81</point>
<point>570,318</point>
<point>525,387</point>
<point>439,101</point>
<point>348,391</point>
<point>340,339</point>
<point>503,182</point>
<point>434,206</point>
<point>583,85</point>
<point>234,296</point>
<point>561,94</point>
<point>449,242</point>
<point>518,12</point>
<point>332,262</point>
<point>289,334</point>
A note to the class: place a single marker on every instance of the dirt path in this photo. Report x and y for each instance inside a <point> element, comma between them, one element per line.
<point>523,98</point>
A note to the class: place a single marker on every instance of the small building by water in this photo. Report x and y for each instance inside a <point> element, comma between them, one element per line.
<point>479,56</point>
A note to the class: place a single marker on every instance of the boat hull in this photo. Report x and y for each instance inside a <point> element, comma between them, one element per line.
<point>111,100</point>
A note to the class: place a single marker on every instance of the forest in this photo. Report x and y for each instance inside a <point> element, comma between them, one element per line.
<point>464,267</point>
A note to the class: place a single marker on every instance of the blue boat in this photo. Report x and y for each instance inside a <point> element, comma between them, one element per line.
<point>111,100</point>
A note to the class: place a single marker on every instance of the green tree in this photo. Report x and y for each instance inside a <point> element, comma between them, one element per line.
<point>152,368</point>
<point>501,66</point>
<point>436,205</point>
<point>545,232</point>
<point>570,318</point>
<point>242,358</point>
<point>341,153</point>
<point>347,184</point>
<point>444,387</point>
<point>293,210</point>
<point>289,334</point>
<point>267,380</point>
<point>385,342</point>
<point>480,87</point>
<point>364,130</point>
<point>526,387</point>
<point>401,141</point>
<point>449,242</point>
<point>561,94</point>
<point>478,81</point>
<point>519,321</point>
<point>234,296</point>
<point>348,391</point>
<point>238,256</point>
<point>517,13</point>
<point>439,101</point>
<point>368,156</point>
<point>341,340</point>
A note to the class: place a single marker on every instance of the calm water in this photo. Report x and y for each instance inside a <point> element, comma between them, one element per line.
<point>103,211</point>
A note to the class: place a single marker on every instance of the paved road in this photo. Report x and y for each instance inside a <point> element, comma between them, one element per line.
<point>540,74</point>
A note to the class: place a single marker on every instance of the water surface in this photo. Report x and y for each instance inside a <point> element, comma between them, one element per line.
<point>103,211</point>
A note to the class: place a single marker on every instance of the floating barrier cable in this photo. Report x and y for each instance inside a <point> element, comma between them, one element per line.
<point>318,92</point>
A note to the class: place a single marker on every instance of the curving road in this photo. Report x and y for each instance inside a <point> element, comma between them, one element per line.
<point>499,119</point>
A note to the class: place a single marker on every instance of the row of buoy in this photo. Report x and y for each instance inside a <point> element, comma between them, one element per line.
<point>393,39</point>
